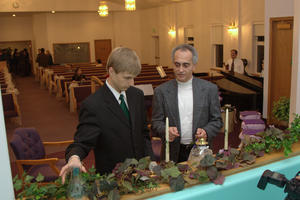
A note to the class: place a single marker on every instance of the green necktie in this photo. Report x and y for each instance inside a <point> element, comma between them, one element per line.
<point>124,106</point>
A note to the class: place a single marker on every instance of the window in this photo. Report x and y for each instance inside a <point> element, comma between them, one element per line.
<point>219,55</point>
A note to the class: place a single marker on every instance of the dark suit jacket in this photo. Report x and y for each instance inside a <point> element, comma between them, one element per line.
<point>104,127</point>
<point>206,111</point>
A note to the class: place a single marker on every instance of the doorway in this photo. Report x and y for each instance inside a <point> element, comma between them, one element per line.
<point>102,50</point>
<point>280,63</point>
<point>20,45</point>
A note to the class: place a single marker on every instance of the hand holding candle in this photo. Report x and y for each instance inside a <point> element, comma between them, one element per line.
<point>167,140</point>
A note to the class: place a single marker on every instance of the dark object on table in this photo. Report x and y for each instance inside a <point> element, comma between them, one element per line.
<point>292,187</point>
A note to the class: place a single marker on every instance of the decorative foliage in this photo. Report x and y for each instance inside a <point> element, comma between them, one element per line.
<point>281,109</point>
<point>275,139</point>
<point>134,176</point>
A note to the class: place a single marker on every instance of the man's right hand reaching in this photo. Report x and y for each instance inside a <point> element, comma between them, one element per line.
<point>173,133</point>
<point>73,162</point>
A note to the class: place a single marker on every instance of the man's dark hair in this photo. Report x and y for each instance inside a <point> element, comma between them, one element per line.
<point>235,51</point>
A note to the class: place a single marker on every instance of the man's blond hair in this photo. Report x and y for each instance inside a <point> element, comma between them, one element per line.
<point>123,59</point>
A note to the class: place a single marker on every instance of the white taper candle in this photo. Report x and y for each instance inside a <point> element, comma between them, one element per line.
<point>167,141</point>
<point>226,128</point>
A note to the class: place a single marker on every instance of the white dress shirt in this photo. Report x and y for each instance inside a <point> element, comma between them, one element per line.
<point>117,94</point>
<point>238,65</point>
<point>185,106</point>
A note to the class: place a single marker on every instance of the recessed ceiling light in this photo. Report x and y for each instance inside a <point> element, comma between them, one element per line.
<point>53,11</point>
<point>14,15</point>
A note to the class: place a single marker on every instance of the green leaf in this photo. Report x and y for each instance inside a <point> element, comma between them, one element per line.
<point>207,161</point>
<point>28,179</point>
<point>177,183</point>
<point>92,170</point>
<point>173,172</point>
<point>221,164</point>
<point>144,163</point>
<point>189,180</point>
<point>127,185</point>
<point>39,178</point>
<point>18,184</point>
<point>212,172</point>
<point>16,178</point>
<point>128,162</point>
<point>157,170</point>
<point>114,195</point>
<point>202,176</point>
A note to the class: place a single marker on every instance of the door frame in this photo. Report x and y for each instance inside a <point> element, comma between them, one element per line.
<point>272,20</point>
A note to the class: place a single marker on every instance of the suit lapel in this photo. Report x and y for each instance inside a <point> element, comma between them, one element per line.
<point>198,101</point>
<point>132,106</point>
<point>114,106</point>
<point>173,104</point>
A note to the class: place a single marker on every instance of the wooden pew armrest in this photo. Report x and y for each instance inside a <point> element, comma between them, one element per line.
<point>60,143</point>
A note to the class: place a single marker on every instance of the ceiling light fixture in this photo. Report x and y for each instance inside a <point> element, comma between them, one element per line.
<point>103,9</point>
<point>130,5</point>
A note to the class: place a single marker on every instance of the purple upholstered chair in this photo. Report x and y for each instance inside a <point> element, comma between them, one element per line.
<point>31,157</point>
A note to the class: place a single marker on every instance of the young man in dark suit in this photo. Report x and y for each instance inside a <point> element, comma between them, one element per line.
<point>191,104</point>
<point>112,121</point>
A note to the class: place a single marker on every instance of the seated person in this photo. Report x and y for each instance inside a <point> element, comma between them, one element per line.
<point>78,76</point>
<point>68,68</point>
<point>99,63</point>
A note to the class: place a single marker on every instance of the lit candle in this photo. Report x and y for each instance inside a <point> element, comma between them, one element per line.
<point>226,129</point>
<point>167,141</point>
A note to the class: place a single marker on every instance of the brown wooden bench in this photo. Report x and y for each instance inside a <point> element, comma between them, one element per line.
<point>11,108</point>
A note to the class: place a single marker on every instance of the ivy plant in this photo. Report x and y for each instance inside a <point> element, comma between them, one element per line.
<point>281,109</point>
<point>275,139</point>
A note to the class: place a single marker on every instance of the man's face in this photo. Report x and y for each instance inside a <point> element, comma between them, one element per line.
<point>120,81</point>
<point>184,66</point>
<point>233,54</point>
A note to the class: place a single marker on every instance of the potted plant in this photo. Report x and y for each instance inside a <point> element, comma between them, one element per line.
<point>281,111</point>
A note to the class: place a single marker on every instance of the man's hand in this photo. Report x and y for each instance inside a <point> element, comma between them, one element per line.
<point>173,133</point>
<point>201,133</point>
<point>73,162</point>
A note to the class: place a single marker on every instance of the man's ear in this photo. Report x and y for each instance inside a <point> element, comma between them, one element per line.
<point>111,70</point>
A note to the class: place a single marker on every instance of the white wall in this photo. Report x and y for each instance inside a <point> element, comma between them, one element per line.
<point>126,28</point>
<point>6,185</point>
<point>148,30</point>
<point>135,29</point>
<point>273,8</point>
<point>16,28</point>
<point>78,27</point>
<point>295,87</point>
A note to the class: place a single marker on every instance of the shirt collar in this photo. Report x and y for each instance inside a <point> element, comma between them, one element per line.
<point>115,92</point>
<point>189,82</point>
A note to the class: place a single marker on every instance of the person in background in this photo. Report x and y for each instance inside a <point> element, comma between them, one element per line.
<point>234,64</point>
<point>42,59</point>
<point>50,62</point>
<point>191,104</point>
<point>112,121</point>
<point>99,63</point>
<point>78,76</point>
